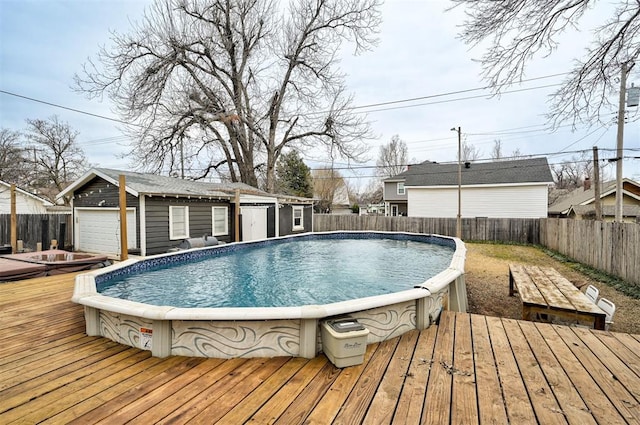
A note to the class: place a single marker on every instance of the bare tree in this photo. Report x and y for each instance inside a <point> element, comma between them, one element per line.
<point>57,159</point>
<point>496,151</point>
<point>13,168</point>
<point>373,193</point>
<point>498,154</point>
<point>469,152</point>
<point>519,30</point>
<point>235,82</point>
<point>328,186</point>
<point>571,173</point>
<point>392,158</point>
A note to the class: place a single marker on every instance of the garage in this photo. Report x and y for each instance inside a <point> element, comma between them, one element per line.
<point>97,230</point>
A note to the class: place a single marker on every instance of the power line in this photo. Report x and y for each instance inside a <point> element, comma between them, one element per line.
<point>66,107</point>
<point>392,102</point>
<point>481,160</point>
<point>413,99</point>
<point>440,101</point>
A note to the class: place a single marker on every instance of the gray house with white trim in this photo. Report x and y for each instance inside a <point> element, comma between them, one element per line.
<point>163,211</point>
<point>499,189</point>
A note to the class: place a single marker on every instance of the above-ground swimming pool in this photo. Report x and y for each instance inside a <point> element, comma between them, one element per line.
<point>286,273</point>
<point>266,298</point>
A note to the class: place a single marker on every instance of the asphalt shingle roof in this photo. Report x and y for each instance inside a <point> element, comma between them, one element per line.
<point>607,210</point>
<point>533,170</point>
<point>162,185</point>
<point>580,196</point>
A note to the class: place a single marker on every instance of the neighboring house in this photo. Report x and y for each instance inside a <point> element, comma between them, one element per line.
<point>395,194</point>
<point>163,211</point>
<point>341,203</point>
<point>372,209</point>
<point>333,198</point>
<point>580,203</point>
<point>26,202</point>
<point>500,189</point>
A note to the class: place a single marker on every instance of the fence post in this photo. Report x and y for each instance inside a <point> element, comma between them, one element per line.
<point>44,233</point>
<point>14,220</point>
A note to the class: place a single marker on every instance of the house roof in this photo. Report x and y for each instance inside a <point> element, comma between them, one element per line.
<point>28,194</point>
<point>147,184</point>
<point>519,171</point>
<point>580,196</point>
<point>607,210</point>
<point>153,184</point>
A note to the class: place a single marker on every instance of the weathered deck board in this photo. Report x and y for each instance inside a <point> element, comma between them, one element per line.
<point>571,404</point>
<point>411,398</point>
<point>516,399</point>
<point>490,403</point>
<point>467,369</point>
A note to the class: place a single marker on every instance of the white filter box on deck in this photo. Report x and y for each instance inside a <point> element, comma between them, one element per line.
<point>344,341</point>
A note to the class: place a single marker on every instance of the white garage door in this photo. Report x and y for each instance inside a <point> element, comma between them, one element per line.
<point>98,230</point>
<point>254,223</point>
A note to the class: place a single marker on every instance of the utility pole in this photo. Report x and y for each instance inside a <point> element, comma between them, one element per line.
<point>459,216</point>
<point>620,142</point>
<point>596,183</point>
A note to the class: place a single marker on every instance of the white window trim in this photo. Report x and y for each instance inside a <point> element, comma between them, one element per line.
<point>398,186</point>
<point>293,217</point>
<point>226,220</point>
<point>186,222</point>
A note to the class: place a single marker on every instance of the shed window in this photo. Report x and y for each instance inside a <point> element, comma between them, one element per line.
<point>401,188</point>
<point>298,218</point>
<point>178,222</point>
<point>220,221</point>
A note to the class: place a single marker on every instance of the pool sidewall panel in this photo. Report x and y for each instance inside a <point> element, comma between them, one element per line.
<point>268,331</point>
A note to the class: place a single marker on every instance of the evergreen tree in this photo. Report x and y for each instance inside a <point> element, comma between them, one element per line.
<point>293,177</point>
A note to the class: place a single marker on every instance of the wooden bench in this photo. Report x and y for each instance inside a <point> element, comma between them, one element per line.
<point>543,290</point>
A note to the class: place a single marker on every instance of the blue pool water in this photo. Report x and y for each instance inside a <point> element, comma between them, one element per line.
<point>290,273</point>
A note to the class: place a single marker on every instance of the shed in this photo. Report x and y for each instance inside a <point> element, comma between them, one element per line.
<point>161,212</point>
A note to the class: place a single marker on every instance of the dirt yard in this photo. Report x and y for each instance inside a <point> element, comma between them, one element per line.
<point>487,280</point>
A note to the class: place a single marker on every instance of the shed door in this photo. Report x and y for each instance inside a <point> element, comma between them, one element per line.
<point>254,223</point>
<point>98,230</point>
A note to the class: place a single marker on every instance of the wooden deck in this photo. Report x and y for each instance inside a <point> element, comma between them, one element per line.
<point>469,369</point>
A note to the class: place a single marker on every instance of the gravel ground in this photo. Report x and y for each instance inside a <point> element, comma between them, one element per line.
<point>487,280</point>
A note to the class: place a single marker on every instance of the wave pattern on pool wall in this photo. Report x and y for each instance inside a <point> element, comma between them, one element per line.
<point>123,329</point>
<point>236,339</point>
<point>389,321</point>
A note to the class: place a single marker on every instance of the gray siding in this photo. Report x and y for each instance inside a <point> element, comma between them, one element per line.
<point>391,192</point>
<point>271,221</point>
<point>200,221</point>
<point>157,213</point>
<point>286,219</point>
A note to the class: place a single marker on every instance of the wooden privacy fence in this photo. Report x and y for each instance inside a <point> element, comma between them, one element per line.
<point>520,230</point>
<point>34,228</point>
<point>611,247</point>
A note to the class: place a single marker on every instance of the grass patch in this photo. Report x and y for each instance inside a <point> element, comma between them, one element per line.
<point>595,274</point>
<point>501,251</point>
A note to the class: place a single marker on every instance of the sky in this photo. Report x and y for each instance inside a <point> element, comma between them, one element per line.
<point>44,43</point>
